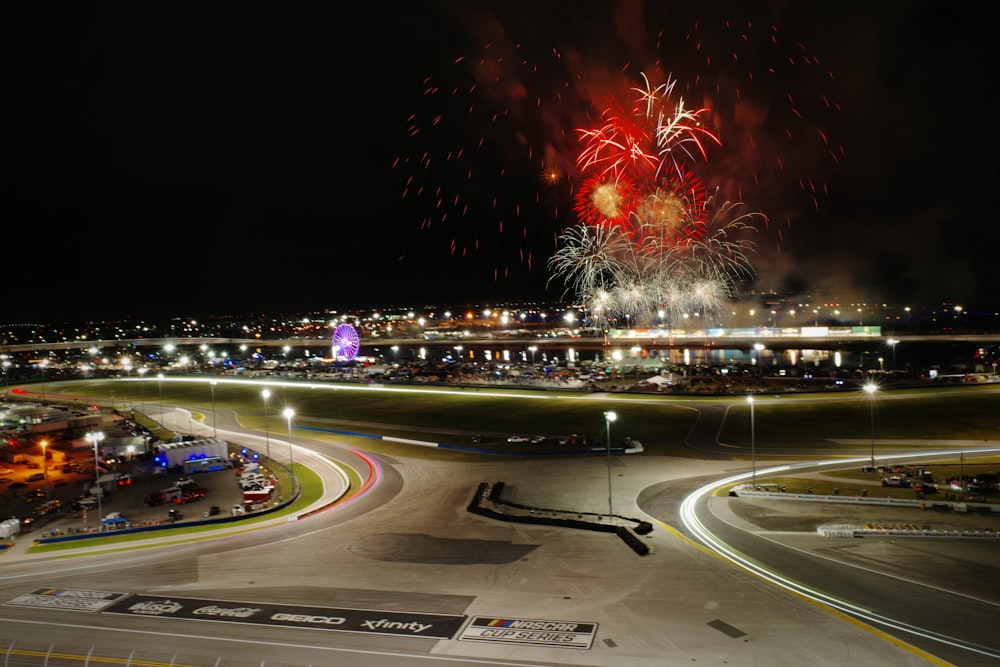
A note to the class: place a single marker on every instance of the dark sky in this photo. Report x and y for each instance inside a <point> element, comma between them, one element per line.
<point>193,159</point>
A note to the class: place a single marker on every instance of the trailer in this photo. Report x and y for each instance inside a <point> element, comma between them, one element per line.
<point>251,498</point>
<point>10,528</point>
<point>174,455</point>
<point>208,464</point>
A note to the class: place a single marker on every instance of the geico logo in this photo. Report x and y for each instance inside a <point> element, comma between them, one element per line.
<point>305,618</point>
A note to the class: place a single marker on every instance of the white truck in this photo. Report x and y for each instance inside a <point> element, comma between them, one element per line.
<point>9,528</point>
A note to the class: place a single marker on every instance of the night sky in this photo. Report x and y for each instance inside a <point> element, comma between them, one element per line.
<point>191,159</point>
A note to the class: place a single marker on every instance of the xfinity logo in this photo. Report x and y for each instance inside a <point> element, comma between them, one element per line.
<point>385,624</point>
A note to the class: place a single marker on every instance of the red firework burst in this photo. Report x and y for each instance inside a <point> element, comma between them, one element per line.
<point>672,210</point>
<point>604,200</point>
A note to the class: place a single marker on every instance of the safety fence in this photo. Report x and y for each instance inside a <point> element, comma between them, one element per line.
<point>901,530</point>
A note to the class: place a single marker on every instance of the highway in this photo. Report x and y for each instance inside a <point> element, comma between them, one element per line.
<point>480,338</point>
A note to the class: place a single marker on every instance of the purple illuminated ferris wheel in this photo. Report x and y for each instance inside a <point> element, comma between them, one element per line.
<point>345,343</point>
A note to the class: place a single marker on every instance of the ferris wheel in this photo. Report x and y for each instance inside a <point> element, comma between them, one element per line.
<point>345,343</point>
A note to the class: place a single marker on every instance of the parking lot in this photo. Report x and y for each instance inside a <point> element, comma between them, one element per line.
<point>63,506</point>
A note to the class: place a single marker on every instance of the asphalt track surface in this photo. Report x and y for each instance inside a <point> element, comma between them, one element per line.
<point>409,547</point>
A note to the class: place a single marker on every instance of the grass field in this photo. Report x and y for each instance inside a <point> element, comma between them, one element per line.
<point>896,419</point>
<point>789,424</point>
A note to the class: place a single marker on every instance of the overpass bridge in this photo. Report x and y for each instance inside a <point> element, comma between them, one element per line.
<point>825,338</point>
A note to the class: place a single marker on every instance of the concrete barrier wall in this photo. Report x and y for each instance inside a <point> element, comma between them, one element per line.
<point>487,502</point>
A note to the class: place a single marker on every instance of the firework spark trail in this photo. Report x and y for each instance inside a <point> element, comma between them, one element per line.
<point>646,138</point>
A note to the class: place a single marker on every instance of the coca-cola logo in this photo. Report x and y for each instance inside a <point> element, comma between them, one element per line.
<point>234,612</point>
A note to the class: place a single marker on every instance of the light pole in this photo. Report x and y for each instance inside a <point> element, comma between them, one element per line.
<point>95,437</point>
<point>870,388</point>
<point>159,383</point>
<point>142,391</point>
<point>266,394</point>
<point>215,428</point>
<point>753,445</point>
<point>45,466</point>
<point>45,382</point>
<point>609,417</point>
<point>395,350</point>
<point>760,360</point>
<point>532,349</point>
<point>289,413</point>
<point>892,342</point>
<point>127,365</point>
<point>961,471</point>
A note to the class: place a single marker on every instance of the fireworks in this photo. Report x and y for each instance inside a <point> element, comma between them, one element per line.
<point>617,274</point>
<point>638,175</point>
<point>648,139</point>
<point>649,239</point>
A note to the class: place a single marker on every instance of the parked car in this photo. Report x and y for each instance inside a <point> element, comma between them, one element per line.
<point>538,439</point>
<point>518,438</point>
<point>191,495</point>
<point>18,485</point>
<point>48,507</point>
<point>897,481</point>
<point>479,437</point>
<point>114,520</point>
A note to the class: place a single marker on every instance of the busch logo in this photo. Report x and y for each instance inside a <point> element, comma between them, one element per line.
<point>156,608</point>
